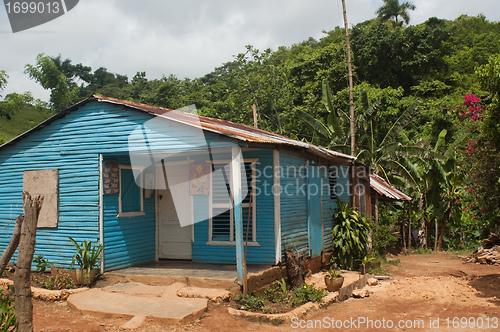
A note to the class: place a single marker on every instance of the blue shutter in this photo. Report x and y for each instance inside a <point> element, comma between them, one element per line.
<point>130,192</point>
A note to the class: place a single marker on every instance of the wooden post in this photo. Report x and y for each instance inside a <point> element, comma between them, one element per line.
<point>22,283</point>
<point>351,84</point>
<point>409,227</point>
<point>404,235</point>
<point>12,246</point>
<point>238,218</point>
<point>254,110</point>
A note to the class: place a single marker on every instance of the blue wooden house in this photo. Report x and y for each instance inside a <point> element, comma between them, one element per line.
<point>102,167</point>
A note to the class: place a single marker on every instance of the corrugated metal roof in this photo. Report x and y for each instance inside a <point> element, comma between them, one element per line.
<point>234,130</point>
<point>378,184</point>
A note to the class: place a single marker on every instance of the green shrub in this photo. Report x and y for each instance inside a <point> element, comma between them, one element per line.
<point>350,236</point>
<point>251,302</point>
<point>41,263</point>
<point>7,313</point>
<point>383,238</point>
<point>307,293</point>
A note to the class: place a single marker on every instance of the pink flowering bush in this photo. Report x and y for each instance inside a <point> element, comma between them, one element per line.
<point>471,109</point>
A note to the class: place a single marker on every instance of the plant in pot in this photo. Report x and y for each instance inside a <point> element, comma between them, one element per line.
<point>88,258</point>
<point>333,280</point>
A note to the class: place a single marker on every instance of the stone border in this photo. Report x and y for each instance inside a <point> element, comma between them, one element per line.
<point>286,316</point>
<point>343,294</point>
<point>47,294</point>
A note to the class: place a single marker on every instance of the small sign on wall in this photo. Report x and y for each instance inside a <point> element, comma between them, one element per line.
<point>199,179</point>
<point>44,182</point>
<point>111,177</point>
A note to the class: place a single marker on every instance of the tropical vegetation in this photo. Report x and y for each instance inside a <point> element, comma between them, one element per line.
<point>427,109</point>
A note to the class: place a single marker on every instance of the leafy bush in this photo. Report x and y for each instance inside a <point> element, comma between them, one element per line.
<point>62,280</point>
<point>307,293</point>
<point>378,271</point>
<point>251,302</point>
<point>277,298</point>
<point>385,234</point>
<point>41,263</point>
<point>350,236</point>
<point>383,238</point>
<point>7,313</point>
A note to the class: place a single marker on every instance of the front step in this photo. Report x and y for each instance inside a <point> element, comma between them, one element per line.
<point>155,280</point>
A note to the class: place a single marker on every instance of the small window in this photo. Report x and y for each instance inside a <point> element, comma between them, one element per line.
<point>131,194</point>
<point>222,212</point>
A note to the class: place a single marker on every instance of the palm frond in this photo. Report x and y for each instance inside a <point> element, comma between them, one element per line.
<point>317,125</point>
<point>393,131</point>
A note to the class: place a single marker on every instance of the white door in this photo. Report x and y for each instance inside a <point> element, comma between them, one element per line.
<point>174,209</point>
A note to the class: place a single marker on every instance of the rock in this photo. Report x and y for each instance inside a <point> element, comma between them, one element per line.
<point>372,282</point>
<point>382,277</point>
<point>360,293</point>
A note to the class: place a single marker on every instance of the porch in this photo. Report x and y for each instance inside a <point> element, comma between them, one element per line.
<point>205,275</point>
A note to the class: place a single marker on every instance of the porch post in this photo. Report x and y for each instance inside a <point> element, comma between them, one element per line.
<point>238,212</point>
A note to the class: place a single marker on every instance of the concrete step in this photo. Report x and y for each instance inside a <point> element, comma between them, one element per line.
<point>168,307</point>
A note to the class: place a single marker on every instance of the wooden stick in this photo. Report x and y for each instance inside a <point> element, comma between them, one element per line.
<point>22,282</point>
<point>12,246</point>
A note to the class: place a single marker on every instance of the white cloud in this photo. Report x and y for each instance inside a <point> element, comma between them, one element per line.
<point>188,38</point>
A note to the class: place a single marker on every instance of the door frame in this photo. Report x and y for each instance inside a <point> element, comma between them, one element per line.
<point>159,171</point>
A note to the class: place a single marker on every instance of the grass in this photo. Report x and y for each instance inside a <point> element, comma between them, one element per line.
<point>379,271</point>
<point>394,262</point>
<point>24,119</point>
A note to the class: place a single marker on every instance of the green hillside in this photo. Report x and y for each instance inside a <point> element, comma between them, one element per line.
<point>22,120</point>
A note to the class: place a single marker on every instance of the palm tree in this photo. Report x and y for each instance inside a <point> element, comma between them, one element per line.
<point>392,9</point>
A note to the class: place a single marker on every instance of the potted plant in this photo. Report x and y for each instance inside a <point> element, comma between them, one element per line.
<point>333,280</point>
<point>88,258</point>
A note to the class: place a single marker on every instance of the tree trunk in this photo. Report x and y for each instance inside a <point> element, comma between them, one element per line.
<point>22,283</point>
<point>436,236</point>
<point>403,226</point>
<point>409,228</point>
<point>440,237</point>
<point>11,248</point>
<point>295,272</point>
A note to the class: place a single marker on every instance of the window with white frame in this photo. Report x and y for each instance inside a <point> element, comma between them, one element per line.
<point>221,222</point>
<point>131,200</point>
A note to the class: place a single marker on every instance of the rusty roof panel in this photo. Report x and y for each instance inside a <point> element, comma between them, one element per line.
<point>378,184</point>
<point>235,130</point>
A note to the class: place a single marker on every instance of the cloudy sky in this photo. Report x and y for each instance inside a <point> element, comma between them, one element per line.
<point>188,38</point>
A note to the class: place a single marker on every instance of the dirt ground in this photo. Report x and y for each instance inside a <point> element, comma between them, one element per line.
<point>431,292</point>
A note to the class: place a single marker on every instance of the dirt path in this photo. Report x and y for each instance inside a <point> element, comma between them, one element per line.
<point>426,293</point>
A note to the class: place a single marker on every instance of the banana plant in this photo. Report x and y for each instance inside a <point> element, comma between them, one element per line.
<point>391,157</point>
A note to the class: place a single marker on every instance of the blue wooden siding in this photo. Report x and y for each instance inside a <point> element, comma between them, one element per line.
<point>314,213</point>
<point>128,240</point>
<point>294,213</point>
<point>265,252</point>
<point>293,202</point>
<point>72,145</point>
<point>330,205</point>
